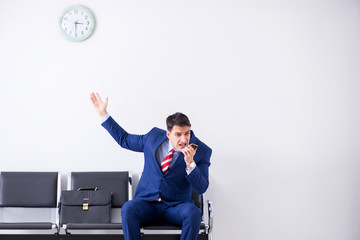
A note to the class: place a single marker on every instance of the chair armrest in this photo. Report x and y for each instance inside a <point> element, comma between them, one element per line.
<point>130,183</point>
<point>210,218</point>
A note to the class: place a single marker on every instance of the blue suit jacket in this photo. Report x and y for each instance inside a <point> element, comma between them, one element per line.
<point>176,185</point>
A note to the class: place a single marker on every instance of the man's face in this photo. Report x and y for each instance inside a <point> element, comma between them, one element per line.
<point>179,136</point>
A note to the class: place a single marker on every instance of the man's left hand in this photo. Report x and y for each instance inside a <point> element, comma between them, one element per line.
<point>189,153</point>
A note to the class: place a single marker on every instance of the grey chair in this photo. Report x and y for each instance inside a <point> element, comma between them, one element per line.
<point>28,202</point>
<point>116,182</point>
<point>206,225</point>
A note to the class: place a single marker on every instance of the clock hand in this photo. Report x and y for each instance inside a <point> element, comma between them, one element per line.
<point>75,27</point>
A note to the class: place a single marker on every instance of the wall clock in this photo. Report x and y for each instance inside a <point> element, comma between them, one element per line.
<point>76,23</point>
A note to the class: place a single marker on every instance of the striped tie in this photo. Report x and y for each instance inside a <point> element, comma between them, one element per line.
<point>166,161</point>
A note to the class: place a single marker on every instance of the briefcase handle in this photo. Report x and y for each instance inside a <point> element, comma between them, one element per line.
<point>87,189</point>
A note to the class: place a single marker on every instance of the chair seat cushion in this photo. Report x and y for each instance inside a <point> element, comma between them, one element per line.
<point>94,226</point>
<point>166,226</point>
<point>27,225</point>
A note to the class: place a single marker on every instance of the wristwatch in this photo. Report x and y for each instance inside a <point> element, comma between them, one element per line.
<point>191,165</point>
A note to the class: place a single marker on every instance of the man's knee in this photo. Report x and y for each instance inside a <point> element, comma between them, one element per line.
<point>192,215</point>
<point>129,210</point>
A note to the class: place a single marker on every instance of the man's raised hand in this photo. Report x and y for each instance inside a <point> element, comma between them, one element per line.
<point>99,105</point>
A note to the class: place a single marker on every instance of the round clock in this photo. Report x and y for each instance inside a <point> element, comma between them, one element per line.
<point>76,23</point>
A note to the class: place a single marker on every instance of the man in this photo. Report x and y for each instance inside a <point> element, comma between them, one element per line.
<point>172,169</point>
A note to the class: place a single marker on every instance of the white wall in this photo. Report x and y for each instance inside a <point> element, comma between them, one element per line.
<point>271,86</point>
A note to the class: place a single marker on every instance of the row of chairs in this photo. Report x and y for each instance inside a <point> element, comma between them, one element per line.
<point>29,203</point>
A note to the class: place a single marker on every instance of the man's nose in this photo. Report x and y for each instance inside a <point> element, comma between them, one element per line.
<point>183,138</point>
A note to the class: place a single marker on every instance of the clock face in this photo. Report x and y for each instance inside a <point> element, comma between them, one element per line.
<point>76,23</point>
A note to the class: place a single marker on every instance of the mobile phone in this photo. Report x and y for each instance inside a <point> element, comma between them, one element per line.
<point>194,146</point>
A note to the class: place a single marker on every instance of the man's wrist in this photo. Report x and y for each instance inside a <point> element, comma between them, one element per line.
<point>191,165</point>
<point>103,113</point>
<point>106,117</point>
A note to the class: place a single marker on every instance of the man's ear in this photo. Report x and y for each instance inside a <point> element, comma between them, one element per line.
<point>168,134</point>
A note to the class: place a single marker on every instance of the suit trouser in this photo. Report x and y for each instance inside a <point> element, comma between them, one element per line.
<point>137,211</point>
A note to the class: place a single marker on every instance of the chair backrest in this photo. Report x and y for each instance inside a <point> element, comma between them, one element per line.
<point>28,197</point>
<point>28,189</point>
<point>198,200</point>
<point>116,182</point>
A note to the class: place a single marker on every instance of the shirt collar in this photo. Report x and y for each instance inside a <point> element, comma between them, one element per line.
<point>170,146</point>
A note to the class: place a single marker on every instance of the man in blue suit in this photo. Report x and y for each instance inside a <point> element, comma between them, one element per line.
<point>172,169</point>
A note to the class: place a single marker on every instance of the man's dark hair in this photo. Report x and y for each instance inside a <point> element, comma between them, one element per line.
<point>179,119</point>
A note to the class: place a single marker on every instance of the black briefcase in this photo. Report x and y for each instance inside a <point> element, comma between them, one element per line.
<point>85,206</point>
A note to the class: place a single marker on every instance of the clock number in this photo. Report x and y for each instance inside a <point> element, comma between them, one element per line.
<point>82,32</point>
<point>88,22</point>
<point>87,28</point>
<point>66,18</point>
<point>86,17</point>
<point>76,11</point>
